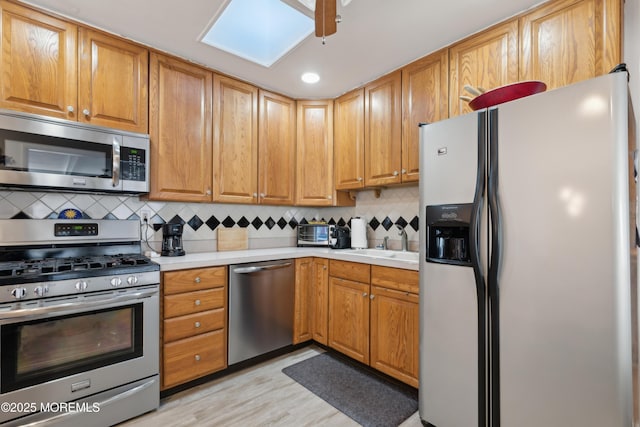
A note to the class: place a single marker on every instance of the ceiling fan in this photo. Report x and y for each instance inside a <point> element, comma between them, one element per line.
<point>326,19</point>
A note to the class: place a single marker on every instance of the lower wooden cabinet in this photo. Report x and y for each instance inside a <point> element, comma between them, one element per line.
<point>374,317</point>
<point>311,300</point>
<point>194,326</point>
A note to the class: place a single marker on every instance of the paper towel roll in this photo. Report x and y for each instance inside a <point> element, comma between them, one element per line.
<point>358,233</point>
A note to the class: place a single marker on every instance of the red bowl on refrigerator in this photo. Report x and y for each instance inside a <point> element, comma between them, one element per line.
<point>507,93</point>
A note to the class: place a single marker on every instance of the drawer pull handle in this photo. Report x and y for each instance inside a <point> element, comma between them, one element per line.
<point>197,279</point>
<point>197,357</point>
<point>197,302</point>
<point>197,324</point>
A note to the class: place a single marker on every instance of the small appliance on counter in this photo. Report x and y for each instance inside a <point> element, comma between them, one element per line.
<point>340,238</point>
<point>359,233</point>
<point>315,234</point>
<point>172,240</point>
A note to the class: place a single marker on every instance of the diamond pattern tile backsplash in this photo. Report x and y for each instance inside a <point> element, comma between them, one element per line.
<point>269,226</point>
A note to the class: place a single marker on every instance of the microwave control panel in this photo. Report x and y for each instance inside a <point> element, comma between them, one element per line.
<point>133,164</point>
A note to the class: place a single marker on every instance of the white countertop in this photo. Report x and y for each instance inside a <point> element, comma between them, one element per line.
<point>210,259</point>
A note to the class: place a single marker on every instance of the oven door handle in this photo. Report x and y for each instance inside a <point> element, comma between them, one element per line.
<point>76,305</point>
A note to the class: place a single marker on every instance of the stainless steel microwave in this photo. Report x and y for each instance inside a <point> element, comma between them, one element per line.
<point>48,153</point>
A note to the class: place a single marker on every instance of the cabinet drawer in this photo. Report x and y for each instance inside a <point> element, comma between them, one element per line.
<point>194,357</point>
<point>193,280</point>
<point>395,278</point>
<point>193,302</point>
<point>193,324</point>
<point>350,270</point>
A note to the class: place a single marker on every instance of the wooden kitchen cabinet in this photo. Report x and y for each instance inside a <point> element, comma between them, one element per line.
<point>564,42</point>
<point>383,130</point>
<point>311,300</point>
<point>488,60</point>
<point>348,152</point>
<point>113,77</point>
<point>425,91</point>
<point>180,130</point>
<point>394,323</point>
<point>349,309</point>
<point>235,141</point>
<point>276,149</point>
<point>314,159</point>
<point>39,73</point>
<point>194,325</point>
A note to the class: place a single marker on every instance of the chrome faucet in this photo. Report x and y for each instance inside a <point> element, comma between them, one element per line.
<point>385,243</point>
<point>403,236</point>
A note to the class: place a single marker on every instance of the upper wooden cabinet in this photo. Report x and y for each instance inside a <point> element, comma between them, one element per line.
<point>348,152</point>
<point>425,90</point>
<point>567,41</point>
<point>383,130</point>
<point>276,149</point>
<point>180,130</point>
<point>51,67</point>
<point>488,60</point>
<point>39,73</point>
<point>235,141</point>
<point>112,86</point>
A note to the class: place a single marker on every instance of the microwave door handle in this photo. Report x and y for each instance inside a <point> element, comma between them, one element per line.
<point>116,163</point>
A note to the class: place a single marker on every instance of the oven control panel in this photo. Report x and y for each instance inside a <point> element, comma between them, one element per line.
<point>83,229</point>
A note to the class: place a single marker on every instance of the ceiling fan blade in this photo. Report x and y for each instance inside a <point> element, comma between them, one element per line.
<point>325,17</point>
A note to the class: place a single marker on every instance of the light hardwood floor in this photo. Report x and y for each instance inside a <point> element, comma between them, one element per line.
<point>257,396</point>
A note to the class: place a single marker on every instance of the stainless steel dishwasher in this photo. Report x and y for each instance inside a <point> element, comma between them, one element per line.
<point>260,308</point>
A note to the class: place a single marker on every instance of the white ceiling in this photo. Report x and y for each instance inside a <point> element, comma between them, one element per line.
<point>374,37</point>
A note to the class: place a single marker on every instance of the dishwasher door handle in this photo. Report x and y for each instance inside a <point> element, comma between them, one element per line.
<point>255,269</point>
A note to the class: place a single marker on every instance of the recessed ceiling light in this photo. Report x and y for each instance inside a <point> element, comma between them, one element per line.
<point>310,78</point>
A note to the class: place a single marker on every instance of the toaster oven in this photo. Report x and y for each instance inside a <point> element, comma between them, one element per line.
<point>314,234</point>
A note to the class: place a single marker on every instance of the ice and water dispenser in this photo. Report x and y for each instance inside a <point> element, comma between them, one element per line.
<point>448,234</point>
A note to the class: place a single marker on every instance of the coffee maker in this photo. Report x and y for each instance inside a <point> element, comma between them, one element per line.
<point>172,240</point>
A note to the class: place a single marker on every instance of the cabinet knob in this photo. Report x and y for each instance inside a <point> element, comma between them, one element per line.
<point>70,108</point>
<point>86,112</point>
<point>197,357</point>
<point>364,294</point>
<point>395,173</point>
<point>372,296</point>
<point>329,197</point>
<point>197,279</point>
<point>404,171</point>
<point>208,192</point>
<point>197,302</point>
<point>255,194</point>
<point>324,267</point>
<point>359,178</point>
<point>197,324</point>
<point>262,195</point>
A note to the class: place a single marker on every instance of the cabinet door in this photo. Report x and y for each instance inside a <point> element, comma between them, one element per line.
<point>383,130</point>
<point>425,88</point>
<point>303,300</point>
<point>180,130</point>
<point>276,149</point>
<point>314,160</point>
<point>349,318</point>
<point>394,334</point>
<point>567,41</point>
<point>112,85</point>
<point>38,63</point>
<point>320,300</point>
<point>487,60</point>
<point>348,146</point>
<point>235,141</point>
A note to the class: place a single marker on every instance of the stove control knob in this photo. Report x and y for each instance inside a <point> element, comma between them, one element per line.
<point>132,280</point>
<point>116,281</point>
<point>41,290</point>
<point>19,293</point>
<point>81,285</point>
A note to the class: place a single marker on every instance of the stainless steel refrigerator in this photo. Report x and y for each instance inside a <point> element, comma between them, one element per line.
<point>528,262</point>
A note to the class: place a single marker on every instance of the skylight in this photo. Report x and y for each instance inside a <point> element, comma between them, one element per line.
<point>261,31</point>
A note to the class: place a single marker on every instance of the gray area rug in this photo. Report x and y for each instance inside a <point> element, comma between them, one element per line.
<point>367,398</point>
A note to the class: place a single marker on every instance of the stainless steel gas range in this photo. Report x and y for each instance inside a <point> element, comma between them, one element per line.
<point>79,313</point>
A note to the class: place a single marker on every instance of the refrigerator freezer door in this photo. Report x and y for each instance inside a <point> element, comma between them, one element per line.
<point>564,283</point>
<point>449,357</point>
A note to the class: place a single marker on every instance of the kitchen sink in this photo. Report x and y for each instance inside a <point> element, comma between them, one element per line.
<point>381,253</point>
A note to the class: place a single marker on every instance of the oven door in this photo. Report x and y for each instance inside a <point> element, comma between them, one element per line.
<point>64,349</point>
